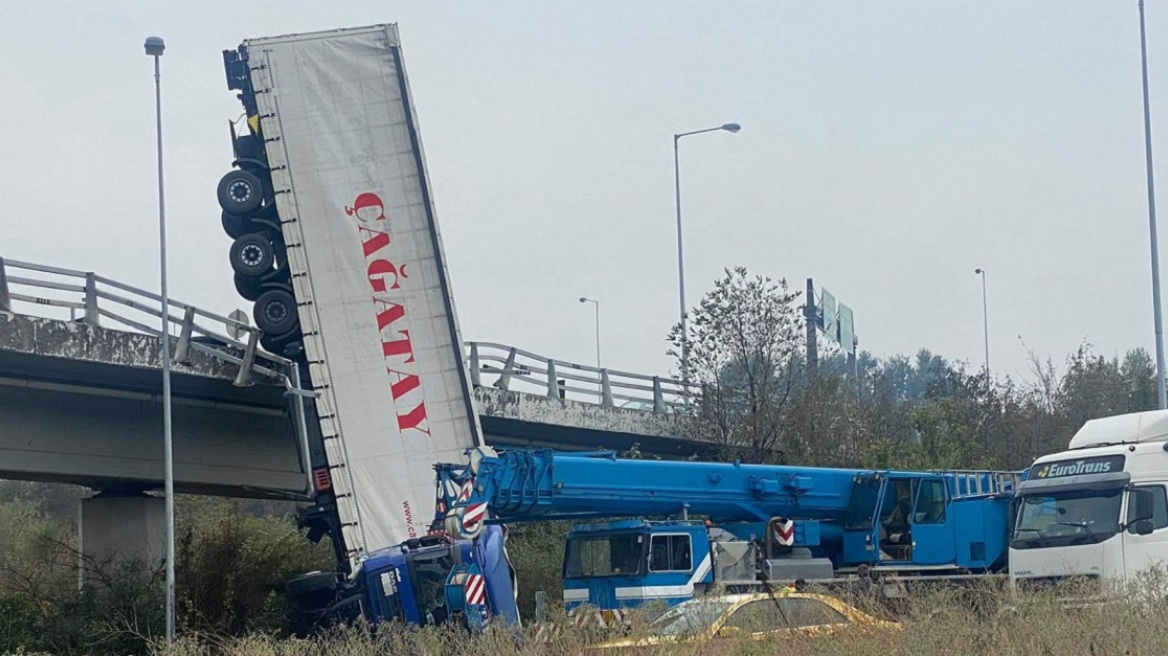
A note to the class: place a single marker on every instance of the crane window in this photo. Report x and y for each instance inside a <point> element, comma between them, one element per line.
<point>670,553</point>
<point>931,500</point>
<point>619,554</point>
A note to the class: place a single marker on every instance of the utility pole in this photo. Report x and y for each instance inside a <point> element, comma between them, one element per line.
<point>154,48</point>
<point>985,321</point>
<point>1162,399</point>
<point>812,318</point>
<point>732,128</point>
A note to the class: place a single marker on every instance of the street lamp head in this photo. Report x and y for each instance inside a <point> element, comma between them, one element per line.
<point>583,299</point>
<point>154,46</point>
<point>978,271</point>
<point>732,127</point>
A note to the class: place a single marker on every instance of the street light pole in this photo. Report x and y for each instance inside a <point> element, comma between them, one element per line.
<point>154,48</point>
<point>728,127</point>
<point>596,303</point>
<point>1162,400</point>
<point>985,320</point>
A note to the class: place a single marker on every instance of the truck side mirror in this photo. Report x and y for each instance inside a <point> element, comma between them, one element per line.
<point>1143,527</point>
<point>1143,506</point>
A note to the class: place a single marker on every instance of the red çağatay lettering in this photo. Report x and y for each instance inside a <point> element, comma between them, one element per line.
<point>384,276</point>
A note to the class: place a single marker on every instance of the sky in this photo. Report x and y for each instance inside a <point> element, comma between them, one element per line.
<point>887,150</point>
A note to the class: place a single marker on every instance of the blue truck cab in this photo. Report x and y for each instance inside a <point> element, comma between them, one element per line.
<point>431,581</point>
<point>422,582</point>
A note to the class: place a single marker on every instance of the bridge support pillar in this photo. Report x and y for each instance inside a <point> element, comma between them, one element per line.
<point>118,527</point>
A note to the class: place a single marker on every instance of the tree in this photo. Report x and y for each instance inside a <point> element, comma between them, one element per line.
<point>743,350</point>
<point>1092,387</point>
<point>1139,374</point>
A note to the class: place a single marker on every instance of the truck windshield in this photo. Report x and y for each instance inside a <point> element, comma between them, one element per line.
<point>428,570</point>
<point>1050,519</point>
<point>616,554</point>
<point>863,504</point>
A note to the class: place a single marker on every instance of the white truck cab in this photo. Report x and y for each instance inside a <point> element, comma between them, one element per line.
<point>1099,510</point>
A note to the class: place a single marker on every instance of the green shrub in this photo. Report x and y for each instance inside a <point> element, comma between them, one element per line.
<point>231,566</point>
<point>537,553</point>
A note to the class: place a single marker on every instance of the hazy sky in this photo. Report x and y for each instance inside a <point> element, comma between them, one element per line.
<point>887,149</point>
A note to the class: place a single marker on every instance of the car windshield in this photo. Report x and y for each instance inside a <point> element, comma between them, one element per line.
<point>690,618</point>
<point>1061,518</point>
<point>618,554</point>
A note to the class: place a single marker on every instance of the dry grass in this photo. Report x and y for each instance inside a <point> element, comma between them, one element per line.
<point>978,621</point>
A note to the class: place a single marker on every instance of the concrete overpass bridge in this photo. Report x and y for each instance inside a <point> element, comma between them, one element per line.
<point>80,399</point>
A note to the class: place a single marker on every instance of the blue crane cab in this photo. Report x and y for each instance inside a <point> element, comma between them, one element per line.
<point>937,520</point>
<point>626,563</point>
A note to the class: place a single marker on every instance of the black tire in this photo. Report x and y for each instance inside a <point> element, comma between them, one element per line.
<point>235,225</point>
<point>279,344</point>
<point>275,312</point>
<point>248,287</point>
<point>252,255</point>
<point>240,192</point>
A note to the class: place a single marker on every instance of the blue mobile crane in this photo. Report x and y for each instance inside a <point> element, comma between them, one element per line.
<point>697,525</point>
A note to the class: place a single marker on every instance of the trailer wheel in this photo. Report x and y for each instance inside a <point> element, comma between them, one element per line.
<point>248,287</point>
<point>279,344</point>
<point>235,225</point>
<point>252,255</point>
<point>275,312</point>
<point>240,192</point>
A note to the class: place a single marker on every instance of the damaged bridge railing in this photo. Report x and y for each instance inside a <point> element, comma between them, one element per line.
<point>83,296</point>
<point>94,300</point>
<point>97,301</point>
<point>511,368</point>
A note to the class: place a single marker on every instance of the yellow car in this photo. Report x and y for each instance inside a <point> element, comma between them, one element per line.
<point>759,616</point>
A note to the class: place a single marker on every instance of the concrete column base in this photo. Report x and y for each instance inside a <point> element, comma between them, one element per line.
<point>117,529</point>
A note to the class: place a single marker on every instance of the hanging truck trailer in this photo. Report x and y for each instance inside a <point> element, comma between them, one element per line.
<point>337,244</point>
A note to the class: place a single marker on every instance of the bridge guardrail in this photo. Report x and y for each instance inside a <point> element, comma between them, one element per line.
<point>91,299</point>
<point>95,297</point>
<point>519,370</point>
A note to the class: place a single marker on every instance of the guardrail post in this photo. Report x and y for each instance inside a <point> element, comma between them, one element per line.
<point>553,385</point>
<point>475,376</point>
<point>658,396</point>
<point>91,314</point>
<point>243,378</point>
<point>5,297</point>
<point>504,381</point>
<point>605,389</point>
<point>182,349</point>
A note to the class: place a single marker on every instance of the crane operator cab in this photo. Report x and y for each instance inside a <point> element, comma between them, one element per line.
<point>895,529</point>
<point>933,520</point>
